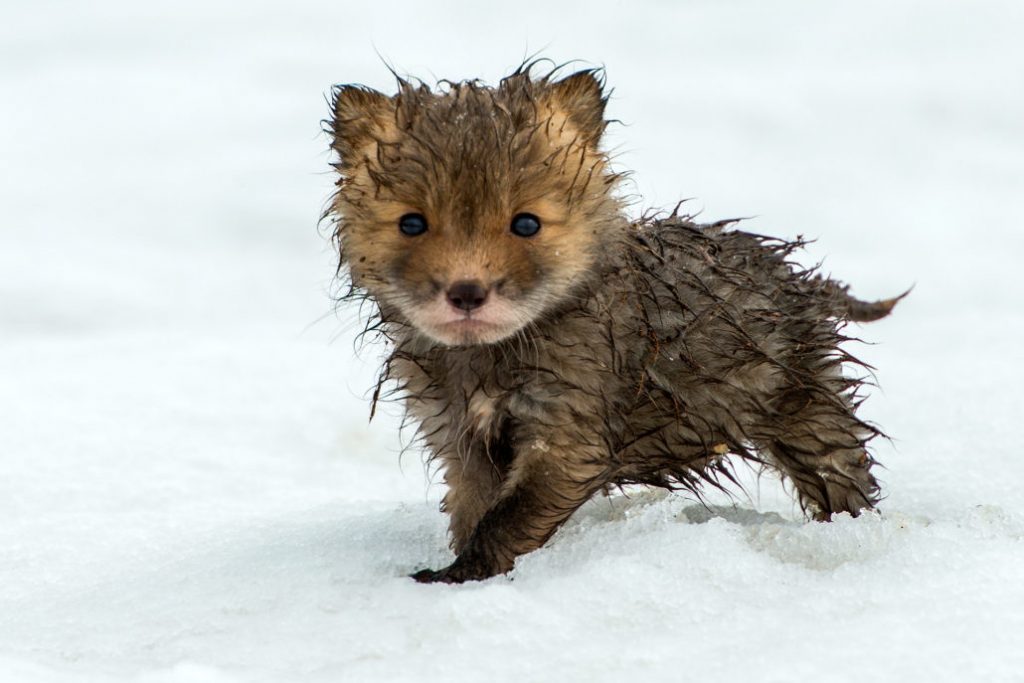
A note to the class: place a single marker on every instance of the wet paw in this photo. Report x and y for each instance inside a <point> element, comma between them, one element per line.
<point>459,571</point>
<point>434,576</point>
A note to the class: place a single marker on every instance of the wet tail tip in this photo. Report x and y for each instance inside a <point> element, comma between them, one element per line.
<point>865,312</point>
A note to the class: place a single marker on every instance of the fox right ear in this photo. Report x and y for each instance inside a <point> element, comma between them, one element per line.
<point>582,98</point>
<point>360,117</point>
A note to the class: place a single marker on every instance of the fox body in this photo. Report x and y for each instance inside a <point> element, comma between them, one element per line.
<point>548,347</point>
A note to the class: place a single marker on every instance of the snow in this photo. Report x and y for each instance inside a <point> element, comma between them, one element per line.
<point>190,489</point>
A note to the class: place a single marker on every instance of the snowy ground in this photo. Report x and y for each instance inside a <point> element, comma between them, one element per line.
<point>190,491</point>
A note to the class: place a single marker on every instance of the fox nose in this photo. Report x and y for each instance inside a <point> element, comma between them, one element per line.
<point>467,295</point>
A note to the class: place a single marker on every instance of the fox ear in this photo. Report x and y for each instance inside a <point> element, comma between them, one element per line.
<point>360,117</point>
<point>582,99</point>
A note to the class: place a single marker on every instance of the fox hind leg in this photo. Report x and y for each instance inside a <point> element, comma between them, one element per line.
<point>821,447</point>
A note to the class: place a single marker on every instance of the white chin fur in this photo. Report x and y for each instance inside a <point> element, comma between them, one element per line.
<point>492,322</point>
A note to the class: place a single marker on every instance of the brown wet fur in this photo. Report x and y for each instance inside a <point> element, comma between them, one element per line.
<point>649,351</point>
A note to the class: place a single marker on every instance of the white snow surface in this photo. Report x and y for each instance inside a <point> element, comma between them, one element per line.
<point>190,489</point>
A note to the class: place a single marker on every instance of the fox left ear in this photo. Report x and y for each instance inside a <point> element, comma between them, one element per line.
<point>582,98</point>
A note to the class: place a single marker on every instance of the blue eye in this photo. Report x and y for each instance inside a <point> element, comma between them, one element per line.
<point>412,224</point>
<point>525,225</point>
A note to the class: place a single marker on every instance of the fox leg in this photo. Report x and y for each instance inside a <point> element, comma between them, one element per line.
<point>474,481</point>
<point>541,491</point>
<point>821,447</point>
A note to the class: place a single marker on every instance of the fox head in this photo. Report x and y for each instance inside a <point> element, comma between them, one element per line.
<point>468,211</point>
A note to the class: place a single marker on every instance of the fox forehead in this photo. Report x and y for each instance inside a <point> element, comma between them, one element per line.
<point>468,147</point>
<point>467,157</point>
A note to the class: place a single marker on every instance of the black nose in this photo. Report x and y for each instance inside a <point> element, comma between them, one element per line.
<point>467,295</point>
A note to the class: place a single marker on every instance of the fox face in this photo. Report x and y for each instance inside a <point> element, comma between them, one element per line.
<point>469,212</point>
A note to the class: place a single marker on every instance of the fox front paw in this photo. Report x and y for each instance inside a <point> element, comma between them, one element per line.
<point>434,576</point>
<point>459,571</point>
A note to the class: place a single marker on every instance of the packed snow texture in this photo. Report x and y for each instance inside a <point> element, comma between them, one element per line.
<point>190,489</point>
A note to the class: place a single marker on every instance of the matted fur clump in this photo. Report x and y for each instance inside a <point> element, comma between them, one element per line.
<point>549,348</point>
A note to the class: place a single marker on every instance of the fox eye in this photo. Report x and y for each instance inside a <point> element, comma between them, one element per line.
<point>412,224</point>
<point>525,225</point>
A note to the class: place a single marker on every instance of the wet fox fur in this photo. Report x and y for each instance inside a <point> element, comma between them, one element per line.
<point>549,348</point>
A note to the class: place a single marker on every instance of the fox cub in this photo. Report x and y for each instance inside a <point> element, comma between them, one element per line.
<point>548,347</point>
